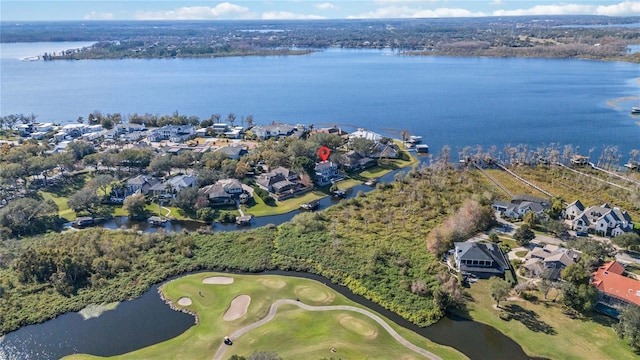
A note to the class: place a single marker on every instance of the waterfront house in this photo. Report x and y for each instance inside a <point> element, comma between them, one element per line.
<point>172,186</point>
<point>520,205</point>
<point>282,183</point>
<point>365,134</point>
<point>615,289</point>
<point>480,259</point>
<point>326,171</point>
<point>603,220</point>
<point>226,192</point>
<point>277,130</point>
<point>140,184</point>
<point>352,161</point>
<point>173,133</point>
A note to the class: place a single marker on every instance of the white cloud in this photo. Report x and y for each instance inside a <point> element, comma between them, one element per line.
<point>223,10</point>
<point>98,16</point>
<point>396,2</point>
<point>326,6</point>
<point>285,15</point>
<point>410,12</point>
<point>626,8</point>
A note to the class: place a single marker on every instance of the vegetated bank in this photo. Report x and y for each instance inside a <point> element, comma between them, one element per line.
<point>374,243</point>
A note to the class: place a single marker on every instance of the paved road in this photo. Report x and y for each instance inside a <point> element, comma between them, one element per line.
<point>376,318</point>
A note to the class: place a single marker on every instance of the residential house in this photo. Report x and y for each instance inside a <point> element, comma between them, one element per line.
<point>573,210</point>
<point>365,134</point>
<point>74,130</point>
<point>326,171</point>
<point>547,262</point>
<point>140,184</point>
<point>615,289</point>
<point>278,130</point>
<point>173,133</point>
<point>226,192</point>
<point>353,161</point>
<point>329,130</point>
<point>233,152</point>
<point>520,205</point>
<point>480,259</point>
<point>384,151</point>
<point>603,219</point>
<point>219,128</point>
<point>43,127</point>
<point>282,183</point>
<point>172,186</point>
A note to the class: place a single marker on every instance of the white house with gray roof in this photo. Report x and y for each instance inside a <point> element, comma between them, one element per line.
<point>603,219</point>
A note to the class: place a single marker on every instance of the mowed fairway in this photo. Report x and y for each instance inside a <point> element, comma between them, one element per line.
<point>293,333</point>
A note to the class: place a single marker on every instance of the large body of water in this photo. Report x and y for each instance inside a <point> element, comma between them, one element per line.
<point>449,101</point>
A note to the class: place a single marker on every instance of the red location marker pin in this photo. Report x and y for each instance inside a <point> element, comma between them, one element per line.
<point>324,153</point>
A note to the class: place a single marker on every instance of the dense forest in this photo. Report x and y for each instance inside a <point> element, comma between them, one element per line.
<point>593,37</point>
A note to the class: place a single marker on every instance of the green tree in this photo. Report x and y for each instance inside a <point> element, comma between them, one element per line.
<point>80,149</point>
<point>264,356</point>
<point>627,240</point>
<point>499,289</point>
<point>135,206</point>
<point>523,235</point>
<point>28,216</point>
<point>628,327</point>
<point>101,182</point>
<point>84,200</point>
<point>186,199</point>
<point>530,218</point>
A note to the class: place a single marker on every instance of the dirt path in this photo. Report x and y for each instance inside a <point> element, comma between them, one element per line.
<point>376,318</point>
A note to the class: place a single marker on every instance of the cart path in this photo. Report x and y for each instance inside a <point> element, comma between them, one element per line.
<point>277,303</point>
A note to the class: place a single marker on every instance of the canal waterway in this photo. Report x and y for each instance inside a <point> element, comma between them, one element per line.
<point>148,320</point>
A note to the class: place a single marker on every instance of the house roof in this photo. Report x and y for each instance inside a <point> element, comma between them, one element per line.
<point>609,279</point>
<point>232,151</point>
<point>577,204</point>
<point>481,251</point>
<point>530,198</point>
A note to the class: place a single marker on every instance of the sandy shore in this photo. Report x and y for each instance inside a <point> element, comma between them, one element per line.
<point>184,301</point>
<point>238,308</point>
<point>218,280</point>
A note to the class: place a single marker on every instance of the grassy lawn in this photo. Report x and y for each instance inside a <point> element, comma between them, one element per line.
<point>294,333</point>
<point>521,253</point>
<point>61,201</point>
<point>282,207</point>
<point>544,331</point>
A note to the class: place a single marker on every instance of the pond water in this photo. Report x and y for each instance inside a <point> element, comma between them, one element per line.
<point>148,320</point>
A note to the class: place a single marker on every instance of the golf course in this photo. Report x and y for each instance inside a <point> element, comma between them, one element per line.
<point>294,317</point>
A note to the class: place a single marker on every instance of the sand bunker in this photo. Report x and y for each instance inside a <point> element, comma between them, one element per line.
<point>238,308</point>
<point>184,301</point>
<point>218,280</point>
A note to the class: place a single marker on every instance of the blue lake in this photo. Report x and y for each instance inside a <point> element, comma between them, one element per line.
<point>449,101</point>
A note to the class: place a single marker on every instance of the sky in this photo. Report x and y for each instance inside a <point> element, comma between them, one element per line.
<point>86,10</point>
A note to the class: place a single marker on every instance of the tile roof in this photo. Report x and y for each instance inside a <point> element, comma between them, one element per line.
<point>609,279</point>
